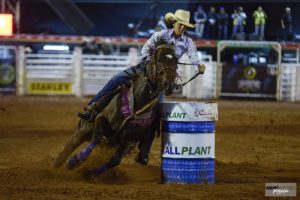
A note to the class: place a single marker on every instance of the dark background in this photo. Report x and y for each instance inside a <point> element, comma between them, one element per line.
<point>111,18</point>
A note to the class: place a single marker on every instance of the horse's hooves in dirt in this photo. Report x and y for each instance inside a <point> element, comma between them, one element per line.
<point>73,162</point>
<point>89,174</point>
<point>57,163</point>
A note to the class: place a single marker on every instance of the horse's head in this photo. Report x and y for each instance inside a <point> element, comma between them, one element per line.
<point>164,65</point>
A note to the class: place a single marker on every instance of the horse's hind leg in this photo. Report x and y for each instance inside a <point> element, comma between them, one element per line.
<point>114,161</point>
<point>83,133</point>
<point>100,127</point>
<point>76,160</point>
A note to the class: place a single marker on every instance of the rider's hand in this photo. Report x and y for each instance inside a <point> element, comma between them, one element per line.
<point>201,68</point>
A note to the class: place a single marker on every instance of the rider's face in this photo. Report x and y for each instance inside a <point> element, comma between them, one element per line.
<point>179,28</point>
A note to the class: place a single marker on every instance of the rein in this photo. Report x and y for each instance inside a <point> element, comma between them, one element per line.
<point>192,78</point>
<point>185,63</point>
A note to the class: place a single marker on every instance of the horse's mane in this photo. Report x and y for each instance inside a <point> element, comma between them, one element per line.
<point>162,44</point>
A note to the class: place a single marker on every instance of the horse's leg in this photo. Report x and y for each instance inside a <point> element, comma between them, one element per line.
<point>99,129</point>
<point>114,161</point>
<point>76,160</point>
<point>82,133</point>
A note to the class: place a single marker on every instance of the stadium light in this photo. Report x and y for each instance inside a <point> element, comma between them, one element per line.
<point>6,24</point>
<point>56,47</point>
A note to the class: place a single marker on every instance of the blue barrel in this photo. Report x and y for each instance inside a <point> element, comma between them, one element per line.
<point>188,142</point>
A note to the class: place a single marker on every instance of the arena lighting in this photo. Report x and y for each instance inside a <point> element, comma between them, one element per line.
<point>56,47</point>
<point>6,21</point>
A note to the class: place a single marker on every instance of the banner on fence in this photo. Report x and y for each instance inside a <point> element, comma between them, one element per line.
<point>7,69</point>
<point>50,88</point>
<point>249,79</point>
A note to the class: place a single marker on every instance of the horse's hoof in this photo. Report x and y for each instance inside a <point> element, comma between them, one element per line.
<point>142,160</point>
<point>73,162</point>
<point>89,174</point>
<point>55,165</point>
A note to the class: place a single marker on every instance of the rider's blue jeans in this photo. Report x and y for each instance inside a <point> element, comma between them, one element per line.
<point>115,82</point>
<point>112,84</point>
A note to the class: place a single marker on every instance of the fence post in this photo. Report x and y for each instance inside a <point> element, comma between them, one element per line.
<point>133,56</point>
<point>21,73</point>
<point>78,65</point>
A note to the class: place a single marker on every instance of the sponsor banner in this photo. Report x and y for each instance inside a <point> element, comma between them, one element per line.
<point>249,80</point>
<point>179,145</point>
<point>50,88</point>
<point>188,111</point>
<point>188,127</point>
<point>280,189</point>
<point>7,69</point>
<point>188,170</point>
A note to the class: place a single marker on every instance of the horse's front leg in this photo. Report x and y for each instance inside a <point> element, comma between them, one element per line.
<point>121,151</point>
<point>98,131</point>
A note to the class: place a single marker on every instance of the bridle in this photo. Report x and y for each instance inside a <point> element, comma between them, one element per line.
<point>155,74</point>
<point>159,71</point>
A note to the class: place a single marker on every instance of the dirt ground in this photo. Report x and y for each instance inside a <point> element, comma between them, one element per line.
<point>257,142</point>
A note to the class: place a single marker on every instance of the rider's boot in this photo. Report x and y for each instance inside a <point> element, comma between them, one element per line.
<point>90,113</point>
<point>85,115</point>
<point>93,109</point>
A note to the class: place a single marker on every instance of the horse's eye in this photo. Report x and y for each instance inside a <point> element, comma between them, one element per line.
<point>169,56</point>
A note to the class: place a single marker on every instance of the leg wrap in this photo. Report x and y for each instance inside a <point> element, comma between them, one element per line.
<point>86,152</point>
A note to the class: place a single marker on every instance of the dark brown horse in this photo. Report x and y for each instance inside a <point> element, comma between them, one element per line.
<point>125,120</point>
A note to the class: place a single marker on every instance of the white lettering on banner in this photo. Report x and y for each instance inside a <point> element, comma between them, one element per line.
<point>249,84</point>
<point>280,189</point>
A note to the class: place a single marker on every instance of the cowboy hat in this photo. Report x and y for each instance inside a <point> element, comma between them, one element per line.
<point>181,16</point>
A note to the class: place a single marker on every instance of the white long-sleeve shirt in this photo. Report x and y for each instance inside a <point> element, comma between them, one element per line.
<point>182,45</point>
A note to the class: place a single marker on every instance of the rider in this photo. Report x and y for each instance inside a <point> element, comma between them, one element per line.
<point>183,44</point>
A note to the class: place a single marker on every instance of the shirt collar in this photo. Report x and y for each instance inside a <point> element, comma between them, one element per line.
<point>172,34</point>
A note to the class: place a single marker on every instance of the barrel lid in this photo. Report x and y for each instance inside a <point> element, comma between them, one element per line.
<point>188,111</point>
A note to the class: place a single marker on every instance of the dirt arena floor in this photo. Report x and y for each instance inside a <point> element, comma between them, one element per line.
<point>256,143</point>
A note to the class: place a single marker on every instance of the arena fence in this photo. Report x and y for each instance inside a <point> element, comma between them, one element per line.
<point>204,86</point>
<point>97,70</point>
<point>249,69</point>
<point>290,82</point>
<point>79,74</point>
<point>50,74</point>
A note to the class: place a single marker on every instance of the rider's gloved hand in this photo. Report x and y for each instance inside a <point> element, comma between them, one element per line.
<point>201,68</point>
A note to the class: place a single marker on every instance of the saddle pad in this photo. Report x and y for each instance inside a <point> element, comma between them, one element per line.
<point>127,109</point>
